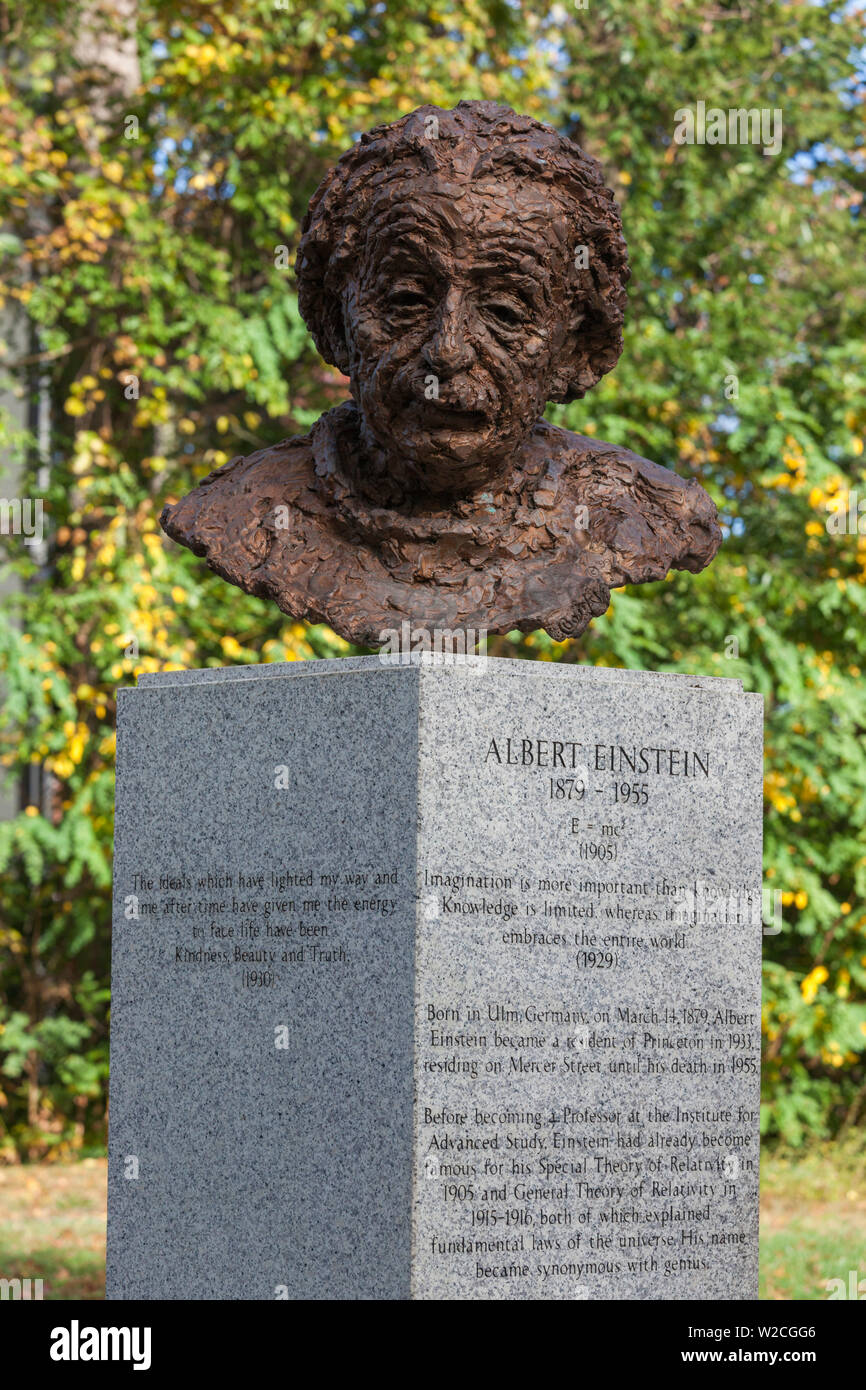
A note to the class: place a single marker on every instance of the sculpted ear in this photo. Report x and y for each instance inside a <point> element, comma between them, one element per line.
<point>323,314</point>
<point>591,349</point>
<point>335,335</point>
<point>571,378</point>
<point>597,302</point>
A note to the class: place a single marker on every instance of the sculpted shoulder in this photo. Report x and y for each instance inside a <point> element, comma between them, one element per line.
<point>644,516</point>
<point>588,455</point>
<point>231,516</point>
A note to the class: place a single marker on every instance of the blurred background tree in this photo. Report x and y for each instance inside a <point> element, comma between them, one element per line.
<point>156,163</point>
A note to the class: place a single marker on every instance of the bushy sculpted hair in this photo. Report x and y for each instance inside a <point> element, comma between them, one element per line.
<point>474,141</point>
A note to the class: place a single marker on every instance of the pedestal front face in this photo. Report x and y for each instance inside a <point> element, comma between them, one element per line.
<point>588,987</point>
<point>436,983</point>
<point>262,1011</point>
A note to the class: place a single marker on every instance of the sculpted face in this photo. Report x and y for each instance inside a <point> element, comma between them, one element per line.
<point>454,319</point>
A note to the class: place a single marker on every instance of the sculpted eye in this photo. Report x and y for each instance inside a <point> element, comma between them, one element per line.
<point>408,299</point>
<point>505,313</point>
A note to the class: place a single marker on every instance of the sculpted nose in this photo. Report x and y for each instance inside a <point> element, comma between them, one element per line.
<point>450,350</point>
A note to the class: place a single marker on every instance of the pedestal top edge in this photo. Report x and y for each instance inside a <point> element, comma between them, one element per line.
<point>470,668</point>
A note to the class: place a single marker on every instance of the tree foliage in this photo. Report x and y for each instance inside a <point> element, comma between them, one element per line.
<point>150,213</point>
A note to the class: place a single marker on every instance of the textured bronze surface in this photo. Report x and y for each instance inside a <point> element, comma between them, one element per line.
<point>462,268</point>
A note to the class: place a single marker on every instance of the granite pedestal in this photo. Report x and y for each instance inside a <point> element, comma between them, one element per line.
<point>437,982</point>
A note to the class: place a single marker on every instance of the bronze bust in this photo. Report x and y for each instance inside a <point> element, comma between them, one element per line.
<point>462,268</point>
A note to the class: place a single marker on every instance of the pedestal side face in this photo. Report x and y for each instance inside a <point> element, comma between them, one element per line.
<point>587,989</point>
<point>262,1027</point>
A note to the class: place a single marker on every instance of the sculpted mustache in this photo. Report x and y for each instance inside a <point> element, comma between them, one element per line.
<point>459,393</point>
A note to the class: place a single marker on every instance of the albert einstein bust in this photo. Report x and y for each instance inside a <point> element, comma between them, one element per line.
<point>462,268</point>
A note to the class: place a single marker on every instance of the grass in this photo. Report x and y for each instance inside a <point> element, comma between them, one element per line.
<point>813,1223</point>
<point>813,1220</point>
<point>52,1226</point>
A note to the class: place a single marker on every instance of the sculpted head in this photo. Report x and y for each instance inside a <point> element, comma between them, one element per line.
<point>462,268</point>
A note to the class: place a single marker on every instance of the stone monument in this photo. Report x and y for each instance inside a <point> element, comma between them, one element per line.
<point>435,981</point>
<point>440,978</point>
